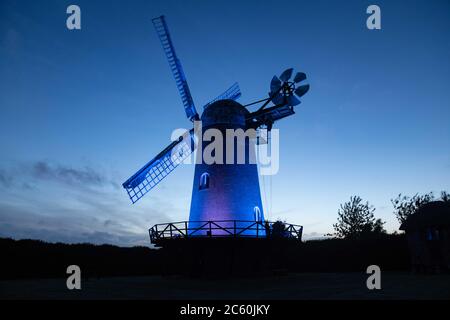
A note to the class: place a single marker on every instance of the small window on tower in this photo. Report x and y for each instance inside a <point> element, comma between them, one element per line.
<point>257,213</point>
<point>204,181</point>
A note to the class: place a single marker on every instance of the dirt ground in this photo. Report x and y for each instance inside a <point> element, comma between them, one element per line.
<point>292,286</point>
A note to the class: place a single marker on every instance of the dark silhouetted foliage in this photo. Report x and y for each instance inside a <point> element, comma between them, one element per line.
<point>445,196</point>
<point>389,252</point>
<point>38,259</point>
<point>356,220</point>
<point>405,206</point>
<point>202,257</point>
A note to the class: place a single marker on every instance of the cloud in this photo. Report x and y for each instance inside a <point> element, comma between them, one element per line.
<point>5,178</point>
<point>73,204</point>
<point>85,176</point>
<point>71,226</point>
<point>25,174</point>
<point>313,236</point>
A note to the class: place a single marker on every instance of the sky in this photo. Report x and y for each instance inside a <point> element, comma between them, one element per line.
<point>82,110</point>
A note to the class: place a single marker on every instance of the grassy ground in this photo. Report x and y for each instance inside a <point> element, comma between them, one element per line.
<point>293,286</point>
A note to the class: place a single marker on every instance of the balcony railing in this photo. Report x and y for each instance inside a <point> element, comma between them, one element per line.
<point>225,228</point>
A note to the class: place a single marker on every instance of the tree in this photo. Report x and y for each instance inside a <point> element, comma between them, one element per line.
<point>405,206</point>
<point>445,196</point>
<point>378,227</point>
<point>356,220</point>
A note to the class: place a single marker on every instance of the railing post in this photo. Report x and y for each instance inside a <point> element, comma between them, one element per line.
<point>210,231</point>
<point>234,232</point>
<point>257,229</point>
<point>186,232</point>
<point>170,230</point>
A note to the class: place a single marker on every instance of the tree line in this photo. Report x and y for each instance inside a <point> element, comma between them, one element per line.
<point>356,219</point>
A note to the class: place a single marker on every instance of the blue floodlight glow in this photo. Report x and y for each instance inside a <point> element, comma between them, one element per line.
<point>233,190</point>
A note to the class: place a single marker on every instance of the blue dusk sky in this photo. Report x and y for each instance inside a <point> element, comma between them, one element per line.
<point>81,111</point>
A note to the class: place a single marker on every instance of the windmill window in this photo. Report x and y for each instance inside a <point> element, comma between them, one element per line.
<point>257,213</point>
<point>204,181</point>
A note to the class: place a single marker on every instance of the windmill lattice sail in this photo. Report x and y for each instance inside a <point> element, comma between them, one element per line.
<point>159,167</point>
<point>233,93</point>
<point>175,66</point>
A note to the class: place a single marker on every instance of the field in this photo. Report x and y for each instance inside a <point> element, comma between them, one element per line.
<point>395,285</point>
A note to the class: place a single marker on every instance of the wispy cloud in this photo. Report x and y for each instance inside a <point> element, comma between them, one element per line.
<point>72,204</point>
<point>5,178</point>
<point>20,223</point>
<point>314,236</point>
<point>69,175</point>
<point>22,174</point>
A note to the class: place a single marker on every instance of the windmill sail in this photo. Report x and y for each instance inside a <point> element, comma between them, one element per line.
<point>159,167</point>
<point>175,66</point>
<point>233,93</point>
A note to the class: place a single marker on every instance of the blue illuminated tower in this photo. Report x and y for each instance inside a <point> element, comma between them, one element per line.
<point>226,199</point>
<point>225,192</point>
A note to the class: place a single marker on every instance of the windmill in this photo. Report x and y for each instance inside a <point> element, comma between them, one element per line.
<point>226,198</point>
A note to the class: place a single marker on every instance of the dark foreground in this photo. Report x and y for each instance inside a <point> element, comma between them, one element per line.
<point>31,259</point>
<point>293,286</point>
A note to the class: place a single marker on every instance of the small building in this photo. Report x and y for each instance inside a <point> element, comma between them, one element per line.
<point>428,235</point>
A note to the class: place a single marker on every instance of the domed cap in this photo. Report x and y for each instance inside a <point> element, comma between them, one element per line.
<point>224,112</point>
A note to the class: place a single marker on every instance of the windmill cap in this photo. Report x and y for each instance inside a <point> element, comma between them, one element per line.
<point>225,112</point>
